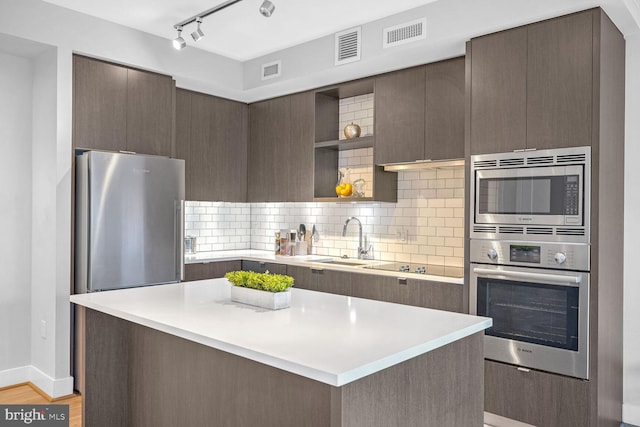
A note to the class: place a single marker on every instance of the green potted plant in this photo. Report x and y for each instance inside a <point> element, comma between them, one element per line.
<point>264,290</point>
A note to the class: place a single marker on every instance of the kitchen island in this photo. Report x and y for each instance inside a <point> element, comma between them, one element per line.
<point>184,354</point>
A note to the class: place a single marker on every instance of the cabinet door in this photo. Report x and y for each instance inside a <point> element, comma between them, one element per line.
<point>149,113</point>
<point>332,281</point>
<point>368,286</point>
<point>229,138</point>
<point>499,92</point>
<point>299,160</point>
<point>183,136</point>
<point>202,151</point>
<point>559,82</point>
<point>401,290</point>
<point>211,135</point>
<point>209,270</point>
<point>444,110</point>
<point>441,296</point>
<point>262,267</point>
<point>535,397</point>
<point>399,116</point>
<point>268,134</point>
<point>303,277</point>
<point>99,104</point>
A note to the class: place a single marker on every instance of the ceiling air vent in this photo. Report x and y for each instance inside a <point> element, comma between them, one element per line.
<point>348,46</point>
<point>404,33</point>
<point>271,70</point>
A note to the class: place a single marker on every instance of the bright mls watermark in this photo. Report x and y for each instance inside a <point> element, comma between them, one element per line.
<point>34,415</point>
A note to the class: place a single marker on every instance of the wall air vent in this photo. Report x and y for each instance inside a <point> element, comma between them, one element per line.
<point>271,70</point>
<point>404,33</point>
<point>348,45</point>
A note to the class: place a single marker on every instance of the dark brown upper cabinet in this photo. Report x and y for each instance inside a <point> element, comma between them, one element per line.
<point>499,92</point>
<point>117,108</point>
<point>211,136</point>
<point>399,116</point>
<point>559,82</point>
<point>444,110</point>
<point>532,86</point>
<point>281,149</point>
<point>420,113</point>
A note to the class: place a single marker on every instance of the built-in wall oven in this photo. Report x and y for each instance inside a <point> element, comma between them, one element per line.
<point>529,257</point>
<point>538,297</point>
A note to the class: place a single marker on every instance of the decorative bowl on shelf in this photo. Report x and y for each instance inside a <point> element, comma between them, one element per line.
<point>352,130</point>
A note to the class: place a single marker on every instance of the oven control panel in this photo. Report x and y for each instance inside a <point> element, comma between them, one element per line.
<point>561,256</point>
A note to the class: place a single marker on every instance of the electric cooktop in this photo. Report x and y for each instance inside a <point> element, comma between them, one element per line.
<point>409,267</point>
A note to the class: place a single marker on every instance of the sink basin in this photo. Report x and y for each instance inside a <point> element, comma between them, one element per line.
<point>340,262</point>
<point>348,262</point>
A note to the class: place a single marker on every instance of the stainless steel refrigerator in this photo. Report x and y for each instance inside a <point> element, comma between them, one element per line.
<point>129,221</point>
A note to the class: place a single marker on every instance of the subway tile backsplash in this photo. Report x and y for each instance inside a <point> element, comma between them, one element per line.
<point>426,225</point>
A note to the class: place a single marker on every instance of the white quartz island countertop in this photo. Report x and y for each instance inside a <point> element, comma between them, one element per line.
<point>329,338</point>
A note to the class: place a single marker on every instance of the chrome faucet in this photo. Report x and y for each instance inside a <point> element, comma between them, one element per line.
<point>362,252</point>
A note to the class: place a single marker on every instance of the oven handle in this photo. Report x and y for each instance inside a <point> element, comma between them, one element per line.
<point>529,276</point>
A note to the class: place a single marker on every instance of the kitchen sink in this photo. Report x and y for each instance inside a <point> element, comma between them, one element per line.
<point>341,262</point>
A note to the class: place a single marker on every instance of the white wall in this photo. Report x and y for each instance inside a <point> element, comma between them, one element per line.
<point>631,407</point>
<point>15,215</point>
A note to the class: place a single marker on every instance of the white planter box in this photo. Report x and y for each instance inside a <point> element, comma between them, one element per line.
<point>264,299</point>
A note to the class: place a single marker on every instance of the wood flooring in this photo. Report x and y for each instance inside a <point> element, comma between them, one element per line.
<point>26,394</point>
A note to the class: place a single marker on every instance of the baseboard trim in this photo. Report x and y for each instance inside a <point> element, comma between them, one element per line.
<point>50,388</point>
<point>630,415</point>
<point>494,420</point>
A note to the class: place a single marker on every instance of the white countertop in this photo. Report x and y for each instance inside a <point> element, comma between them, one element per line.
<point>330,338</point>
<point>308,261</point>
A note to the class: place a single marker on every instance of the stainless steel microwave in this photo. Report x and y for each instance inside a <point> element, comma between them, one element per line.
<point>543,194</point>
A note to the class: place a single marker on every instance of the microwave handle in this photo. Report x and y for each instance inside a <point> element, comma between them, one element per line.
<point>528,276</point>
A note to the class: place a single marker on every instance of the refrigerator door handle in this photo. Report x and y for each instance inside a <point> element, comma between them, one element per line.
<point>180,240</point>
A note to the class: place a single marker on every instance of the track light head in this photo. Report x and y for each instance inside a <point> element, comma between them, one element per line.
<point>178,42</point>
<point>267,8</point>
<point>198,33</point>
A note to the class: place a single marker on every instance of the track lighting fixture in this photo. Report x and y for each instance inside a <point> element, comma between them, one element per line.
<point>178,42</point>
<point>266,9</point>
<point>198,34</point>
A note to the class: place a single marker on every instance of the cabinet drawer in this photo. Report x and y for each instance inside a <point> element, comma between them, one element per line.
<point>535,397</point>
<point>209,270</point>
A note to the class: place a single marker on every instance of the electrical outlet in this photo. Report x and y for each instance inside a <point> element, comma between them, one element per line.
<point>43,329</point>
<point>404,238</point>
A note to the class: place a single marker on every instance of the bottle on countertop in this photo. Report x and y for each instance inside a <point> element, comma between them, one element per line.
<point>277,243</point>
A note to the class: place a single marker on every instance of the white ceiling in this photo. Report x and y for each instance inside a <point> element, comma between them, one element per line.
<point>240,32</point>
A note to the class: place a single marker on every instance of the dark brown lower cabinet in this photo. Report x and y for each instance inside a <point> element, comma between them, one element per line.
<point>535,397</point>
<point>420,293</point>
<point>262,267</point>
<point>209,270</point>
<point>319,279</point>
